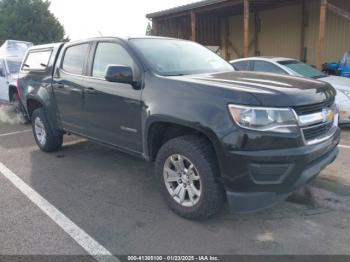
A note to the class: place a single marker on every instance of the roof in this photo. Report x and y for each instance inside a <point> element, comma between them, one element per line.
<point>183,8</point>
<point>225,7</point>
<point>45,46</point>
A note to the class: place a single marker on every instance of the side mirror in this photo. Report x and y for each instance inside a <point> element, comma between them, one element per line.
<point>2,73</point>
<point>119,74</point>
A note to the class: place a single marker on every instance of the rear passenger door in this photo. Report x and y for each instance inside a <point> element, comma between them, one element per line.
<point>113,110</point>
<point>68,88</point>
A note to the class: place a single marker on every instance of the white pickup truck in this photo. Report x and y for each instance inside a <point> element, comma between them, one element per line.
<point>11,55</point>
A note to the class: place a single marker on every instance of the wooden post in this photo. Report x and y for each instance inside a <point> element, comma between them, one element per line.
<point>302,36</point>
<point>257,31</point>
<point>246,29</point>
<point>193,26</point>
<point>227,38</point>
<point>321,43</point>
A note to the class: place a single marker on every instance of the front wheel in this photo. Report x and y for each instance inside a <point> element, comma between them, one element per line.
<point>189,177</point>
<point>43,134</point>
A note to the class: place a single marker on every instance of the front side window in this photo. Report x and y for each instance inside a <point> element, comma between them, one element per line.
<point>267,67</point>
<point>37,60</point>
<point>112,54</point>
<point>171,57</point>
<point>74,59</point>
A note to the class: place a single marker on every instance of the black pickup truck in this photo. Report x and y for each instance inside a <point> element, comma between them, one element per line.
<point>214,134</point>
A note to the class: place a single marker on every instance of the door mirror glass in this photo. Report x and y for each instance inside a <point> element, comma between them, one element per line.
<point>119,74</point>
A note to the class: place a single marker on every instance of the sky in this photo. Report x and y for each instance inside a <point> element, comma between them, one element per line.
<point>90,18</point>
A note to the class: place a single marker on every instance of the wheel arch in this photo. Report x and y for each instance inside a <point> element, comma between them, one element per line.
<point>35,102</point>
<point>160,130</point>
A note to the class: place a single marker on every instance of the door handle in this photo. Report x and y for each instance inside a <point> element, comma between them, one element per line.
<point>90,91</point>
<point>58,85</point>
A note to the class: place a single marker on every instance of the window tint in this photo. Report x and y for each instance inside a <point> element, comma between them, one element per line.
<point>37,60</point>
<point>262,66</point>
<point>241,66</point>
<point>112,54</point>
<point>74,59</point>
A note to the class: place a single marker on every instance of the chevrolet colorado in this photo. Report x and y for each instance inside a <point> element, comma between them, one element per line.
<point>214,134</point>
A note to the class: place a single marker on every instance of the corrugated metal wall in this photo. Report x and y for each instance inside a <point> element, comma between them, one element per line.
<point>337,33</point>
<point>235,24</point>
<point>280,33</point>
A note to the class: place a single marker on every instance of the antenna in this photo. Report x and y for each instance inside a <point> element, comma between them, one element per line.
<point>99,32</point>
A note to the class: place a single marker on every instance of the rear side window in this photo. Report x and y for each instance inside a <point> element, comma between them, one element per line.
<point>112,54</point>
<point>262,66</point>
<point>74,59</point>
<point>37,60</point>
<point>241,66</point>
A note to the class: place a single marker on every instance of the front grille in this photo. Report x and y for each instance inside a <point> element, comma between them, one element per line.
<point>313,132</point>
<point>314,108</point>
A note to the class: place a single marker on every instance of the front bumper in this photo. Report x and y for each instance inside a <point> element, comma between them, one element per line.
<point>255,180</point>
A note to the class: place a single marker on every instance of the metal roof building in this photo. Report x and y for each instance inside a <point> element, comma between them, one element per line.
<point>314,31</point>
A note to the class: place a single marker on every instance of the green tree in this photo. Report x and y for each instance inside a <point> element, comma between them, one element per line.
<point>29,20</point>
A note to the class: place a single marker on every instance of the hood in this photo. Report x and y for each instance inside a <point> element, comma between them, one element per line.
<point>338,82</point>
<point>269,89</point>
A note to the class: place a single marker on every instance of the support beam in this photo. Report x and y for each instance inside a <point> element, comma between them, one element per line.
<point>338,11</point>
<point>227,41</point>
<point>193,26</point>
<point>246,29</point>
<point>322,33</point>
<point>302,31</point>
<point>256,33</point>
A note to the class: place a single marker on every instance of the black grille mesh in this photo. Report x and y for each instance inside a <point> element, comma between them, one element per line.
<point>314,132</point>
<point>314,108</point>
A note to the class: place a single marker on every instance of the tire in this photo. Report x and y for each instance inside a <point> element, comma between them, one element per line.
<point>19,108</point>
<point>43,134</point>
<point>195,152</point>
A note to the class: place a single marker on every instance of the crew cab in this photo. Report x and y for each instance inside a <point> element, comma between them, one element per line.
<point>214,134</point>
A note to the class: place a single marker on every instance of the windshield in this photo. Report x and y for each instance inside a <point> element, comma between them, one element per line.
<point>170,57</point>
<point>302,69</point>
<point>13,66</point>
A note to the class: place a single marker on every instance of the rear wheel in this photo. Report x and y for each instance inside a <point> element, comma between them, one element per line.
<point>189,177</point>
<point>43,134</point>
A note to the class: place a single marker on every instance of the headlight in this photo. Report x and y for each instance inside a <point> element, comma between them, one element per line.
<point>345,92</point>
<point>280,120</point>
